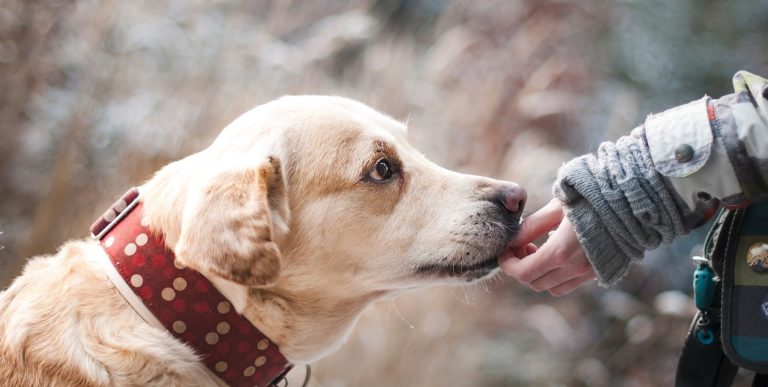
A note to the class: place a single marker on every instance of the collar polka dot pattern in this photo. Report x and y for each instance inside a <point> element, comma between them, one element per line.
<point>190,308</point>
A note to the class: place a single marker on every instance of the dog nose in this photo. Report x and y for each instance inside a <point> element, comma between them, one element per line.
<point>512,197</point>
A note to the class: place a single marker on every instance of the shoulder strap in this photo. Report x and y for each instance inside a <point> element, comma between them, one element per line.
<point>703,362</point>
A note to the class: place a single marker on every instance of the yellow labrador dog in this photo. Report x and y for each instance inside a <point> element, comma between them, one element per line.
<point>302,212</point>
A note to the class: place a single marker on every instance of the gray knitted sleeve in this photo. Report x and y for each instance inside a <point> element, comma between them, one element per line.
<point>619,205</point>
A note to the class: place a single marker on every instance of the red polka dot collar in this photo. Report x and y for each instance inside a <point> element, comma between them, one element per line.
<point>183,301</point>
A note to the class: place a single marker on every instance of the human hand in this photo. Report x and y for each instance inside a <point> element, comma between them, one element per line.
<point>559,266</point>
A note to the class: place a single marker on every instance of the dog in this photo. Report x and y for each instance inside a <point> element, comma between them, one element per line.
<point>301,213</point>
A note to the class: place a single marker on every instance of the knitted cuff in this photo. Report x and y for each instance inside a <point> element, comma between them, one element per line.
<point>618,204</point>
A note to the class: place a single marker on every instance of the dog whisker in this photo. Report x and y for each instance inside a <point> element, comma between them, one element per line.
<point>402,318</point>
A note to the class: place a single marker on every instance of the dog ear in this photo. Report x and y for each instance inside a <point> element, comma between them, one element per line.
<point>227,227</point>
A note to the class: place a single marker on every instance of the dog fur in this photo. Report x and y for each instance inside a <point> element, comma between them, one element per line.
<point>286,215</point>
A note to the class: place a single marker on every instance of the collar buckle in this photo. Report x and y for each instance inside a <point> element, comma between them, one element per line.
<point>115,213</point>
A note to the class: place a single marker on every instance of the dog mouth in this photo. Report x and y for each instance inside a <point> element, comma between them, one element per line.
<point>469,272</point>
<point>475,255</point>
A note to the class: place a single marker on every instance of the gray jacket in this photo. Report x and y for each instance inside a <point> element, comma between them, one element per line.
<point>668,176</point>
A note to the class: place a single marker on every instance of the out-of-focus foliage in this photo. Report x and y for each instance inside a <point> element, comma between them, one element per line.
<point>98,94</point>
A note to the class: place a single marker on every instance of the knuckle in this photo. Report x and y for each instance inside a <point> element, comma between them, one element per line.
<point>526,277</point>
<point>536,287</point>
<point>560,258</point>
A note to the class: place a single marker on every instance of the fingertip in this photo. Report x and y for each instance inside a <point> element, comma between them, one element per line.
<point>554,203</point>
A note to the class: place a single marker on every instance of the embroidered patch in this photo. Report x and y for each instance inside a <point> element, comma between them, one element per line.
<point>757,257</point>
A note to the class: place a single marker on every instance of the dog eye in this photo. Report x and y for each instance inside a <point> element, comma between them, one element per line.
<point>383,171</point>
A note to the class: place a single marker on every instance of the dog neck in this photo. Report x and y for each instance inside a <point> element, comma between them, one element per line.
<point>181,300</point>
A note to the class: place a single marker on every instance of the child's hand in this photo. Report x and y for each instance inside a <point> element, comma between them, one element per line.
<point>559,266</point>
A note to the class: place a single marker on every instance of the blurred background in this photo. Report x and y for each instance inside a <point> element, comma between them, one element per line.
<point>96,95</point>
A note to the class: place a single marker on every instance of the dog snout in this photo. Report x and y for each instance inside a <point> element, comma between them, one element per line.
<point>512,197</point>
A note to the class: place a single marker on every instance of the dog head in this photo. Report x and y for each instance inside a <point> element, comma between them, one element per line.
<point>307,208</point>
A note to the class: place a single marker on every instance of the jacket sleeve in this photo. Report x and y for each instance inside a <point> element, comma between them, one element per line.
<point>668,176</point>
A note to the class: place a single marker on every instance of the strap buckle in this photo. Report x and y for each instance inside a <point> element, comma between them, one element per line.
<point>115,213</point>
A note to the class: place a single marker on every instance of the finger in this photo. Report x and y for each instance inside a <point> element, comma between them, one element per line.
<point>518,252</point>
<point>571,285</point>
<point>538,223</point>
<point>558,276</point>
<point>529,269</point>
<point>510,253</point>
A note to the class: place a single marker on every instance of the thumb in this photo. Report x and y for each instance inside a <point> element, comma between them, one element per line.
<point>539,223</point>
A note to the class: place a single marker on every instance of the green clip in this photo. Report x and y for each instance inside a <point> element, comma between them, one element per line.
<point>703,284</point>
